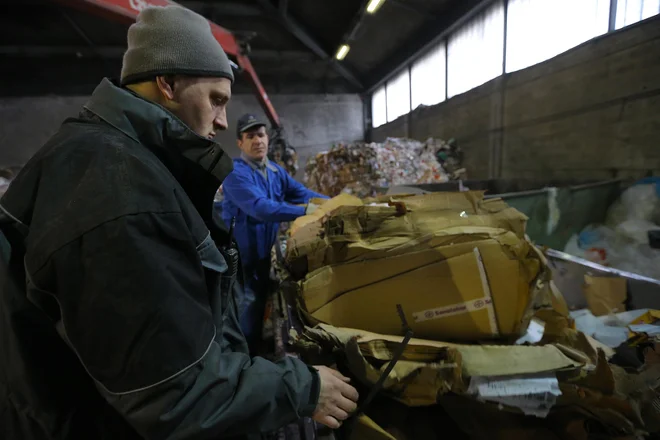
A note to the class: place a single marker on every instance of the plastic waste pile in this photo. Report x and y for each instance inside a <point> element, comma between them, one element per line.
<point>361,168</point>
<point>629,238</point>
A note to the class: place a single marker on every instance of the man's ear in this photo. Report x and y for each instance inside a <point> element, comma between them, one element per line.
<point>166,86</point>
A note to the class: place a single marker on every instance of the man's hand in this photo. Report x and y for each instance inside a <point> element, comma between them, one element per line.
<point>311,207</point>
<point>337,398</point>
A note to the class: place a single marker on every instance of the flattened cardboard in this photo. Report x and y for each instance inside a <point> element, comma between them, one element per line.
<point>450,299</point>
<point>413,383</point>
<point>367,429</point>
<point>325,208</point>
<point>477,360</point>
<point>605,295</point>
<point>434,280</point>
<point>349,223</point>
<point>329,282</point>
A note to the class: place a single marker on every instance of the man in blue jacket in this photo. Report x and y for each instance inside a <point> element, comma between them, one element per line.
<point>259,194</point>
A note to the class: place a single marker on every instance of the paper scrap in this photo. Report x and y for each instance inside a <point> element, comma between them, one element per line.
<point>534,332</point>
<point>532,394</point>
<point>530,407</point>
<point>649,329</point>
<point>519,385</point>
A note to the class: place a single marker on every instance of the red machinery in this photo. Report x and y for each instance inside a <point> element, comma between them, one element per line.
<point>126,11</point>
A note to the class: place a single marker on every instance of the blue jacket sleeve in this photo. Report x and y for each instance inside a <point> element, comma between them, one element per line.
<point>297,193</point>
<point>240,191</point>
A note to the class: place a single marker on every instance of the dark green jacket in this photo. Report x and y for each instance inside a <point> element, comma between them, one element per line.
<point>117,325</point>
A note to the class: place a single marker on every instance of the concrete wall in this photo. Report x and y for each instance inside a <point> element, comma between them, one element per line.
<point>312,122</point>
<point>589,113</point>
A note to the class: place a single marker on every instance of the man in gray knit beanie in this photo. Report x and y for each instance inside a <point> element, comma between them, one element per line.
<point>139,285</point>
<point>170,41</point>
<point>174,60</point>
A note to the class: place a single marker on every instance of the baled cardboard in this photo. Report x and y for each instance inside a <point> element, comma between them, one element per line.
<point>460,266</point>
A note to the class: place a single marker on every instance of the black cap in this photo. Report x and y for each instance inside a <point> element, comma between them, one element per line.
<point>246,122</point>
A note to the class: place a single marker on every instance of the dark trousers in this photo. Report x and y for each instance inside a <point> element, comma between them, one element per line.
<point>253,305</point>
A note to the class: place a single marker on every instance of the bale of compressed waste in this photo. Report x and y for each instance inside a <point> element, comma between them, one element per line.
<point>460,266</point>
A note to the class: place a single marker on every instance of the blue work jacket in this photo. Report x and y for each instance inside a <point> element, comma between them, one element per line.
<point>259,205</point>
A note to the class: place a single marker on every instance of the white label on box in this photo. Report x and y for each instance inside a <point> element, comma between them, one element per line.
<point>454,309</point>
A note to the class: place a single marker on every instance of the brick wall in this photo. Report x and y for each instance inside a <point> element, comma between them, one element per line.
<point>590,113</point>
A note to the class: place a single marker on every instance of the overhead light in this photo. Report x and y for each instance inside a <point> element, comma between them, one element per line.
<point>373,6</point>
<point>342,51</point>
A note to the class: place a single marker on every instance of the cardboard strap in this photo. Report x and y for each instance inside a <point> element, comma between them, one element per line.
<point>350,423</point>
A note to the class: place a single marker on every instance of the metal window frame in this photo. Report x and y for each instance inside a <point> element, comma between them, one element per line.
<point>442,43</point>
<point>401,72</point>
<point>443,38</point>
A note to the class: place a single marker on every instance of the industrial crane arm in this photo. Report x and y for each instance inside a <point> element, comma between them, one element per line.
<point>126,11</point>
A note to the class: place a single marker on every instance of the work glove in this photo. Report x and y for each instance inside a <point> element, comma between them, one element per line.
<point>311,207</point>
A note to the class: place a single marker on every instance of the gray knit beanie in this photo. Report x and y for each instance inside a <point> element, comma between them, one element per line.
<point>172,40</point>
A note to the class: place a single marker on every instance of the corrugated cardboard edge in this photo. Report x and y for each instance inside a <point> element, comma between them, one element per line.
<point>411,382</point>
<point>306,229</point>
<point>478,360</point>
<point>367,429</point>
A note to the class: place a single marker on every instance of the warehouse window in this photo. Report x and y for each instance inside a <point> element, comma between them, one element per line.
<point>475,51</point>
<point>398,96</point>
<point>632,11</point>
<point>538,30</point>
<point>427,78</point>
<point>378,108</point>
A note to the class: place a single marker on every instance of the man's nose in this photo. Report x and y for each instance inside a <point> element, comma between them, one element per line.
<point>220,121</point>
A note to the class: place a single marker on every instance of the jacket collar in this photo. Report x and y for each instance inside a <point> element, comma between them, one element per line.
<point>157,129</point>
<point>153,126</point>
<point>259,166</point>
